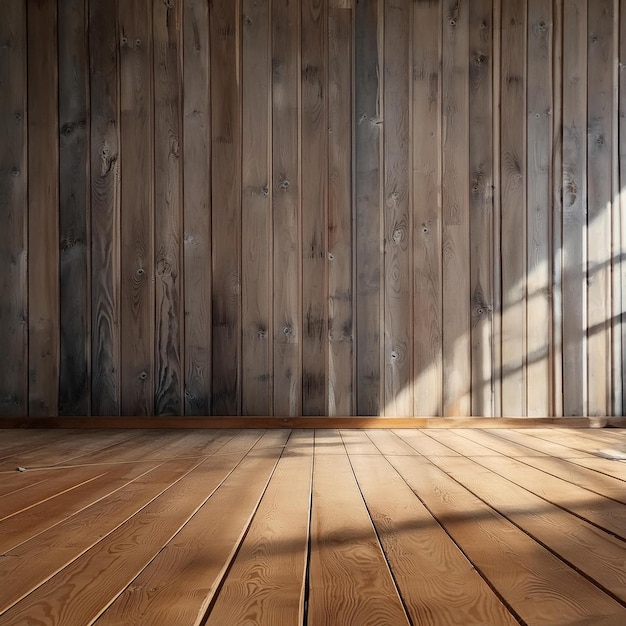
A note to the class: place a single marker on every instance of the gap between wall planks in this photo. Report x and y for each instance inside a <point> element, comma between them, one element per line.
<point>375,208</point>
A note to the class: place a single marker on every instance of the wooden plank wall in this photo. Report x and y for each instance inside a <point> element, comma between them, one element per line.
<point>326,207</point>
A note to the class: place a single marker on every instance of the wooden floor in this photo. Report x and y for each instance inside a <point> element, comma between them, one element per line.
<point>319,527</point>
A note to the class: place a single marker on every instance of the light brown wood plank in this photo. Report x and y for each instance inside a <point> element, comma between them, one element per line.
<point>357,442</point>
<point>197,207</point>
<point>341,250</point>
<point>43,210</point>
<point>513,182</point>
<point>137,208</point>
<point>14,203</point>
<point>314,205</point>
<point>398,222</point>
<point>225,40</point>
<point>286,209</point>
<point>368,87</point>
<point>209,539</point>
<point>349,582</point>
<point>124,552</point>
<point>438,584</point>
<point>574,202</point>
<point>619,208</point>
<point>274,551</point>
<point>257,194</point>
<point>74,218</point>
<point>105,170</point>
<point>481,204</point>
<point>544,590</point>
<point>539,193</point>
<point>455,211</point>
<point>600,87</point>
<point>168,208</point>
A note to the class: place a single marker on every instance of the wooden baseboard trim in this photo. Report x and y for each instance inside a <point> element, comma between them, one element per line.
<point>172,422</point>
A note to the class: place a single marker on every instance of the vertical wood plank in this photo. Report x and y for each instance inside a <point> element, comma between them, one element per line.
<point>426,190</point>
<point>481,204</point>
<point>340,243</point>
<point>137,208</point>
<point>167,18</point>
<point>398,235</point>
<point>456,227</point>
<point>226,201</point>
<point>43,214</point>
<point>197,207</point>
<point>256,210</point>
<point>13,210</point>
<point>286,207</point>
<point>539,163</point>
<point>601,63</point>
<point>619,267</point>
<point>513,205</point>
<point>367,190</point>
<point>314,194</point>
<point>574,206</point>
<point>74,227</point>
<point>105,207</point>
<point>556,173</point>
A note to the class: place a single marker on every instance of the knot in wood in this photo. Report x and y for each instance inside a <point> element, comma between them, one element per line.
<point>143,376</point>
<point>284,185</point>
<point>247,19</point>
<point>138,42</point>
<point>141,271</point>
<point>262,333</point>
<point>288,330</point>
<point>331,256</point>
<point>15,172</point>
<point>265,191</point>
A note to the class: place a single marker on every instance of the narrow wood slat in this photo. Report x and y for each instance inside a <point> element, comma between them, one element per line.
<point>225,39</point>
<point>437,583</point>
<point>197,207</point>
<point>574,186</point>
<point>210,537</point>
<point>124,552</point>
<point>105,169</point>
<point>74,222</point>
<point>341,315</point>
<point>398,223</point>
<point>426,205</point>
<point>619,229</point>
<point>314,205</point>
<point>368,86</point>
<point>513,205</point>
<point>544,590</point>
<point>357,442</point>
<point>481,204</point>
<point>274,551</point>
<point>137,208</point>
<point>349,581</point>
<point>423,444</point>
<point>455,211</point>
<point>286,209</point>
<point>168,208</point>
<point>598,555</point>
<point>257,285</point>
<point>14,203</point>
<point>43,210</point>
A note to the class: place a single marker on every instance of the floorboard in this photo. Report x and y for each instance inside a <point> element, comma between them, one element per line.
<point>316,527</point>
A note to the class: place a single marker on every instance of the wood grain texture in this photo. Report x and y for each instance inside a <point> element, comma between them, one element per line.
<point>368,188</point>
<point>74,222</point>
<point>481,205</point>
<point>257,279</point>
<point>619,266</point>
<point>574,198</point>
<point>14,210</point>
<point>455,211</point>
<point>314,205</point>
<point>426,204</point>
<point>286,209</point>
<point>197,208</point>
<point>398,223</point>
<point>538,255</point>
<point>43,210</point>
<point>104,167</point>
<point>341,248</point>
<point>513,181</point>
<point>600,87</point>
<point>225,38</point>
<point>168,206</point>
<point>137,208</point>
